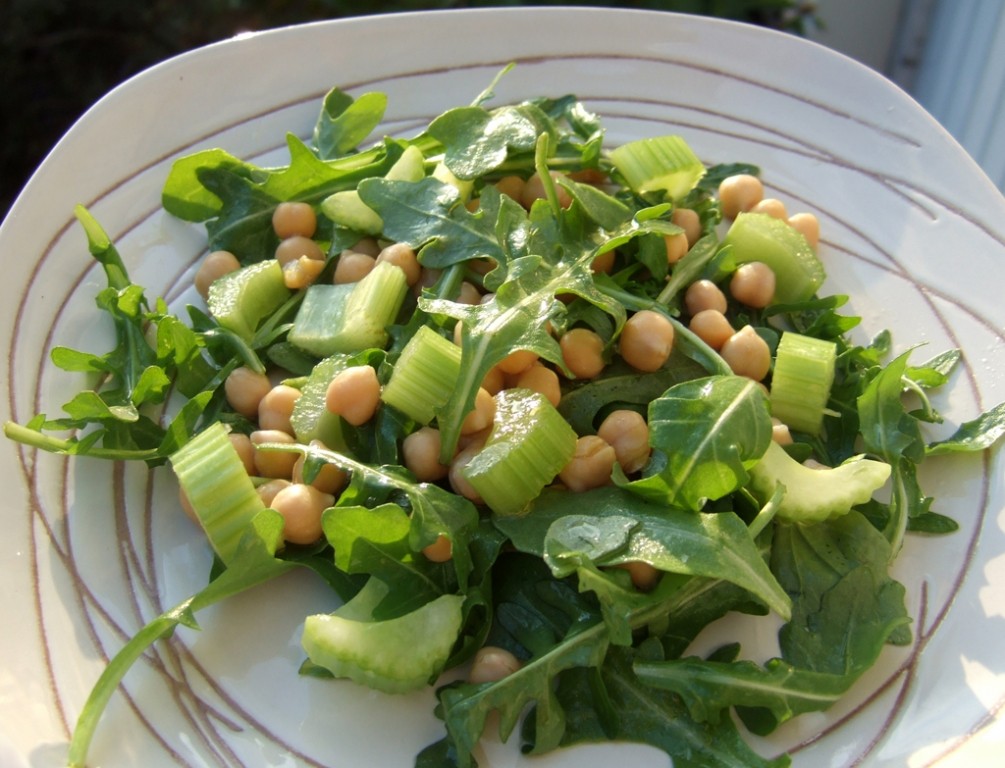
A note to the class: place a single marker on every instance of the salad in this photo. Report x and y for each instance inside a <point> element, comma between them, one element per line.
<point>534,408</point>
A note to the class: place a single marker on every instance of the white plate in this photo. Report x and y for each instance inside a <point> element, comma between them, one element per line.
<point>911,227</point>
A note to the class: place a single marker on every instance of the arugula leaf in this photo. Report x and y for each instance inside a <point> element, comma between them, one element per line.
<point>345,122</point>
<point>254,563</point>
<point>976,435</point>
<point>709,431</point>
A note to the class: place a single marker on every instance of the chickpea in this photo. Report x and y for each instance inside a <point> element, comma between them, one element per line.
<point>367,245</point>
<point>469,294</point>
<point>214,266</point>
<point>628,434</point>
<point>534,190</point>
<point>676,246</point>
<point>590,466</point>
<point>242,444</point>
<point>773,207</point>
<point>273,463</point>
<point>482,416</point>
<point>753,284</point>
<point>402,255</point>
<point>352,267</point>
<point>267,491</point>
<point>517,361</point>
<point>301,507</point>
<point>294,218</point>
<point>292,248</point>
<point>494,381</point>
<point>427,279</point>
<point>459,483</point>
<point>739,193</point>
<point>712,327</point>
<point>542,379</point>
<point>354,394</point>
<point>440,551</point>
<point>492,664</point>
<point>747,354</point>
<point>329,479</point>
<point>583,352</point>
<point>244,390</point>
<point>275,409</point>
<point>511,186</point>
<point>646,340</point>
<point>604,263</point>
<point>299,273</point>
<point>808,225</point>
<point>421,454</point>
<point>704,294</point>
<point>690,222</point>
<point>780,432</point>
<point>644,576</point>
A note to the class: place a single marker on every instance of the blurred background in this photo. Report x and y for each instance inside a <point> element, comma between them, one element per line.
<point>57,57</point>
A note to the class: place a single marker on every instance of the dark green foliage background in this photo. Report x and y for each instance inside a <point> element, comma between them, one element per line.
<point>57,57</point>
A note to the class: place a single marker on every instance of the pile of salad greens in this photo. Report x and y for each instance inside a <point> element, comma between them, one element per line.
<point>601,659</point>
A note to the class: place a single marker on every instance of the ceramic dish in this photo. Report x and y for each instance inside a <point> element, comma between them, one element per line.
<point>911,228</point>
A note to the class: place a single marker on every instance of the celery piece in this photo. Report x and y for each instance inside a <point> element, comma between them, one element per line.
<point>310,419</point>
<point>528,446</point>
<point>424,376</point>
<point>240,300</point>
<point>394,655</point>
<point>802,380</point>
<point>216,484</point>
<point>660,163</point>
<point>814,495</point>
<point>321,313</point>
<point>333,319</point>
<point>760,237</point>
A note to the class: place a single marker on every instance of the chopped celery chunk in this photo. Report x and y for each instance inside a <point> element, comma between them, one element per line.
<point>802,380</point>
<point>241,300</point>
<point>424,375</point>
<point>760,237</point>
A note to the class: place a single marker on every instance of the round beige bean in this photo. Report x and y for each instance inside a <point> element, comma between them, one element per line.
<point>646,340</point>
<point>301,507</point>
<point>492,664</point>
<point>517,361</point>
<point>244,390</point>
<point>294,218</point>
<point>712,327</point>
<point>300,273</point>
<point>627,433</point>
<point>273,463</point>
<point>402,255</point>
<point>367,245</point>
<point>542,379</point>
<point>511,186</point>
<point>214,266</point>
<point>352,267</point>
<point>242,444</point>
<point>704,294</point>
<point>354,394</point>
<point>690,222</point>
<point>330,477</point>
<point>456,477</point>
<point>753,284</point>
<point>808,225</point>
<point>267,491</point>
<point>604,263</point>
<point>583,352</point>
<point>747,354</point>
<point>440,551</point>
<point>483,414</point>
<point>676,246</point>
<point>275,409</point>
<point>469,294</point>
<point>494,381</point>
<point>420,452</point>
<point>590,466</point>
<point>773,207</point>
<point>644,576</point>
<point>739,193</point>
<point>292,248</point>
<point>533,190</point>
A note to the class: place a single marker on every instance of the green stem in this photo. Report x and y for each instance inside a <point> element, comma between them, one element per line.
<point>36,439</point>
